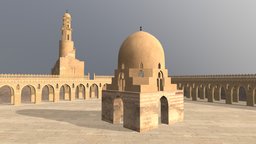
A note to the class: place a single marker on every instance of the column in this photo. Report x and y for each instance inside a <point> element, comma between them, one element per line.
<point>17,96</point>
<point>217,94</point>
<point>229,96</point>
<point>51,95</point>
<point>194,95</point>
<point>73,94</point>
<point>87,93</point>
<point>236,94</point>
<point>210,94</point>
<point>56,95</point>
<point>38,96</point>
<point>249,98</point>
<point>100,93</point>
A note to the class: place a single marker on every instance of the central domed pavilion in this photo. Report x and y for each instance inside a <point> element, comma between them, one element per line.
<point>141,94</point>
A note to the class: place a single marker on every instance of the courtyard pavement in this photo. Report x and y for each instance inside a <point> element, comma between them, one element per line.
<point>79,122</point>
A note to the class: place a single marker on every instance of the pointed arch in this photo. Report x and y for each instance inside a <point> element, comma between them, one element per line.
<point>48,93</point>
<point>118,111</point>
<point>94,91</point>
<point>164,109</point>
<point>28,94</point>
<point>80,91</point>
<point>65,92</point>
<point>6,95</point>
<point>160,81</point>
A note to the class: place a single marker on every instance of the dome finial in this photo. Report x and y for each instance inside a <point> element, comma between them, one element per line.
<point>140,28</point>
<point>66,10</point>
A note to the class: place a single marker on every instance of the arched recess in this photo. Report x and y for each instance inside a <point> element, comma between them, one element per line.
<point>6,95</point>
<point>28,94</point>
<point>94,91</point>
<point>186,92</point>
<point>215,93</point>
<point>118,110</point>
<point>160,81</point>
<point>199,92</point>
<point>242,94</point>
<point>121,81</point>
<point>48,93</point>
<point>164,108</point>
<point>222,93</point>
<point>65,92</point>
<point>104,87</point>
<point>80,91</point>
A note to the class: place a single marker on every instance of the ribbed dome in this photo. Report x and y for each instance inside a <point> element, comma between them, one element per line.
<point>141,48</point>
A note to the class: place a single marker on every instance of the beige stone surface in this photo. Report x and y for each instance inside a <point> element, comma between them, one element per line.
<point>141,86</point>
<point>79,122</point>
<point>67,65</point>
<point>214,88</point>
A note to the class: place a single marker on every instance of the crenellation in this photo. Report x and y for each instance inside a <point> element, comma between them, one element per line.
<point>69,80</point>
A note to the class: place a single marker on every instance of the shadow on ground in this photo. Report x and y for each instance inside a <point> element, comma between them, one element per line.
<point>89,119</point>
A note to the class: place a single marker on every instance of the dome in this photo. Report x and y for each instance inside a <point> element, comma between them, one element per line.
<point>141,49</point>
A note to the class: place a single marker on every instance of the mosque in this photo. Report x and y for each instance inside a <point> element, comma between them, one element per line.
<point>140,95</point>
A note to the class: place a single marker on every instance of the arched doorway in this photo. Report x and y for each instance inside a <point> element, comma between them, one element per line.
<point>94,91</point>
<point>242,93</point>
<point>80,92</point>
<point>65,92</point>
<point>164,108</point>
<point>222,93</point>
<point>118,111</point>
<point>6,95</point>
<point>28,94</point>
<point>47,93</point>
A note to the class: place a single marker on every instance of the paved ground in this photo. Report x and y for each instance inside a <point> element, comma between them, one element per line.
<point>79,122</point>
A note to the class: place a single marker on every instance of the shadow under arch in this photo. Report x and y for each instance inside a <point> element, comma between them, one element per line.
<point>89,119</point>
<point>242,96</point>
<point>65,92</point>
<point>94,91</point>
<point>80,91</point>
<point>28,94</point>
<point>222,93</point>
<point>6,95</point>
<point>48,93</point>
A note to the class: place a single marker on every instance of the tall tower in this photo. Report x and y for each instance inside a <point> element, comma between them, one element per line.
<point>67,65</point>
<point>66,44</point>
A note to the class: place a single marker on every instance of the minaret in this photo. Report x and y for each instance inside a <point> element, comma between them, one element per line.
<point>66,44</point>
<point>67,65</point>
